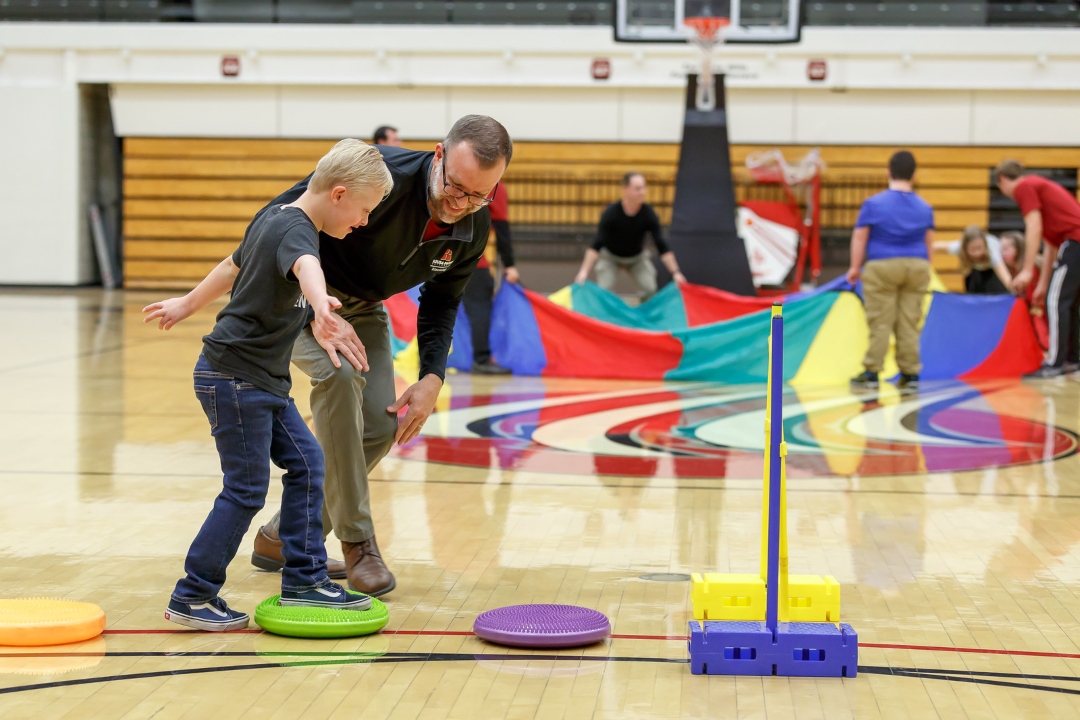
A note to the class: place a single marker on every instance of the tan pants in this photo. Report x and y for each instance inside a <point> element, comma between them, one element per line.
<point>349,412</point>
<point>640,266</point>
<point>893,292</point>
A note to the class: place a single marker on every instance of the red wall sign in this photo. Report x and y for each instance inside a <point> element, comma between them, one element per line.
<point>816,70</point>
<point>601,69</point>
<point>230,66</point>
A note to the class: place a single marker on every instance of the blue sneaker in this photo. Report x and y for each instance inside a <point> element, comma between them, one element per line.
<point>214,616</point>
<point>330,595</point>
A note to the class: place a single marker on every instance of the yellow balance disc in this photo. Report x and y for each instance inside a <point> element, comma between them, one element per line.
<point>48,621</point>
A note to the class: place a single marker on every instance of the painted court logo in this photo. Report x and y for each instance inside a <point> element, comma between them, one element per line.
<point>444,262</point>
<point>715,431</point>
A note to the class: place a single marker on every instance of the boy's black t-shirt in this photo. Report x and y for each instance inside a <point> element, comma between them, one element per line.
<point>624,235</point>
<point>254,335</point>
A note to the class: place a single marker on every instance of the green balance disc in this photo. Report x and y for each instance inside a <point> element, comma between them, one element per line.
<point>312,622</point>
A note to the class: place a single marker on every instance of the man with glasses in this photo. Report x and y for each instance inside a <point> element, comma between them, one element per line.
<point>426,232</point>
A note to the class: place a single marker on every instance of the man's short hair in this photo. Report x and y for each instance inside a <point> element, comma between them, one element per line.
<point>382,133</point>
<point>354,164</point>
<point>629,177</point>
<point>1011,169</point>
<point>902,165</point>
<point>486,136</point>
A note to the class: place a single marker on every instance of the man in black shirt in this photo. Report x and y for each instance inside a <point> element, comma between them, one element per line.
<point>431,229</point>
<point>620,242</point>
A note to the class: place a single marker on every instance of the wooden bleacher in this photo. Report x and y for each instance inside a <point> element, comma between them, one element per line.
<point>188,201</point>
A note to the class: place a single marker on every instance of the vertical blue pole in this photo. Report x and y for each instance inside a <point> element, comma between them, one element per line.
<point>776,421</point>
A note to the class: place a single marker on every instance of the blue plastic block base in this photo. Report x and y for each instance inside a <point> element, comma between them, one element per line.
<point>749,648</point>
<point>730,647</point>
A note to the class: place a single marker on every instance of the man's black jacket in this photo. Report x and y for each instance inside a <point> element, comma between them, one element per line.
<point>387,257</point>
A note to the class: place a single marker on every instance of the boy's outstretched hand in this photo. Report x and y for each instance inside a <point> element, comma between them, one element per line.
<point>324,308</point>
<point>169,311</point>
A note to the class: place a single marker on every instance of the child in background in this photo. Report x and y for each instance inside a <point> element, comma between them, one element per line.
<point>984,274</point>
<point>242,381</point>
<point>1012,253</point>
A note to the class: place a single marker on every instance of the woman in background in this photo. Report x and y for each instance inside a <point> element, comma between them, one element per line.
<point>1012,254</point>
<point>984,273</point>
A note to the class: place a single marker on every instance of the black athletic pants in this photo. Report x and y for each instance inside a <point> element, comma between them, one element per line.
<point>477,300</point>
<point>1063,306</point>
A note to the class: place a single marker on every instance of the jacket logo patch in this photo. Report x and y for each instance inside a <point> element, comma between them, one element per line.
<point>443,263</point>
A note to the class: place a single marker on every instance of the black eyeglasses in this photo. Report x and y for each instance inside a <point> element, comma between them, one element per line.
<point>458,194</point>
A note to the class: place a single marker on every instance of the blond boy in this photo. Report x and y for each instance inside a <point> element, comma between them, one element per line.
<point>242,381</point>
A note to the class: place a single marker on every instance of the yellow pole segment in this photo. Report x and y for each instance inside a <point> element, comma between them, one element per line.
<point>783,599</point>
<point>764,556</point>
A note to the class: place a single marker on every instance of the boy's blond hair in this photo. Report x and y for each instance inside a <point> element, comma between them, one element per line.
<point>354,164</point>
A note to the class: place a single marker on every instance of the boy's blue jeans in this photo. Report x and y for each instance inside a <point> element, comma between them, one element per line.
<point>253,427</point>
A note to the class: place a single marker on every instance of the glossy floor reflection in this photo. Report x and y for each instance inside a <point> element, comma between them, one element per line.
<point>951,517</point>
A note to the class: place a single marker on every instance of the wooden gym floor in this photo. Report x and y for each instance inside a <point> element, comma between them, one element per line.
<point>951,518</point>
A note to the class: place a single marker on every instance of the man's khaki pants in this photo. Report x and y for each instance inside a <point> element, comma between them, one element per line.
<point>893,292</point>
<point>640,266</point>
<point>351,422</point>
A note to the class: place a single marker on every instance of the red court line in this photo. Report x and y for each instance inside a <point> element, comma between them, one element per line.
<point>175,632</point>
<point>680,638</point>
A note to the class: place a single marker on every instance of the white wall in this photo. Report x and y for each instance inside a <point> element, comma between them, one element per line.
<point>811,116</point>
<point>43,239</point>
<point>893,86</point>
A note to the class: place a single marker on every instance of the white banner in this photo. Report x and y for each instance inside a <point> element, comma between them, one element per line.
<point>771,247</point>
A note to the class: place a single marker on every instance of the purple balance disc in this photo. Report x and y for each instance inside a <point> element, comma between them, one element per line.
<point>542,626</point>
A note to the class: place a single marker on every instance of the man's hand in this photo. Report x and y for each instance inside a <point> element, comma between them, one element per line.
<point>853,275</point>
<point>679,278</point>
<point>170,311</point>
<point>582,276</point>
<point>1022,280</point>
<point>1038,297</point>
<point>511,274</point>
<point>420,398</point>
<point>335,335</point>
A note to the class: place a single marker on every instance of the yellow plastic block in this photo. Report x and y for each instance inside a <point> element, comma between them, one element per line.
<point>813,598</point>
<point>728,596</point>
<point>741,596</point>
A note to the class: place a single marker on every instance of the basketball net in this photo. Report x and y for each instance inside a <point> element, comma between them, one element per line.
<point>706,33</point>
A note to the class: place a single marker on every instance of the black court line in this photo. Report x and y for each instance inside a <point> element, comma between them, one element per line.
<point>966,676</point>
<point>352,659</point>
<point>975,678</point>
<point>78,356</point>
<point>581,486</point>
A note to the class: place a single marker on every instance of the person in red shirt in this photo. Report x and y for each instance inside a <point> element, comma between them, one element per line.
<point>481,287</point>
<point>1051,214</point>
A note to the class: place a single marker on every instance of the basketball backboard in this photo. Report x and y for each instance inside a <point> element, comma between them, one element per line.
<point>752,21</point>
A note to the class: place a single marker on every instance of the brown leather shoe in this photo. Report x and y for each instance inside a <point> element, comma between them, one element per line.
<point>267,555</point>
<point>367,571</point>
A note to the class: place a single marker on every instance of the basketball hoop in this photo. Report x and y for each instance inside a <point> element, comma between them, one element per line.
<point>706,33</point>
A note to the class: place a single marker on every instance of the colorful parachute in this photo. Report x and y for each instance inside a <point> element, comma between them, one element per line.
<point>697,333</point>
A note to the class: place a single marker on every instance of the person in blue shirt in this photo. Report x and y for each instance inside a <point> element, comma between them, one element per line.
<point>893,236</point>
